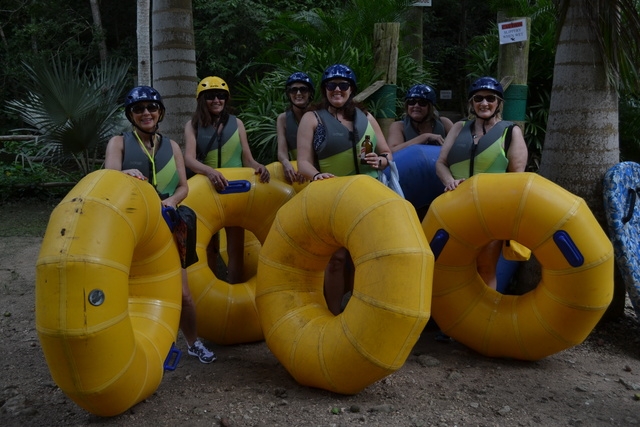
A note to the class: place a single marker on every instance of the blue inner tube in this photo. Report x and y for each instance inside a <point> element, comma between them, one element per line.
<point>417,168</point>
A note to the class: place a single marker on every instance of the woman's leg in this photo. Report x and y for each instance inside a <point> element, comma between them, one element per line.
<point>337,280</point>
<point>188,313</point>
<point>213,249</point>
<point>488,261</point>
<point>235,251</point>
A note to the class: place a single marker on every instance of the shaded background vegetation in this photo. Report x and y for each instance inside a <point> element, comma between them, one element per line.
<point>254,45</point>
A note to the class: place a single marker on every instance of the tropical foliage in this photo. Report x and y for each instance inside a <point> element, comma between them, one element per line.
<point>73,110</point>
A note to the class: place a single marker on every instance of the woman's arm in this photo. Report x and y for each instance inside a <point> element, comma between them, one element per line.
<point>397,142</point>
<point>382,156</point>
<point>283,149</point>
<point>306,130</point>
<point>113,157</point>
<point>247,157</point>
<point>183,187</point>
<point>191,161</point>
<point>442,166</point>
<point>518,153</point>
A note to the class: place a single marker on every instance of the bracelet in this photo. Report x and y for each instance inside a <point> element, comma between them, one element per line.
<point>314,176</point>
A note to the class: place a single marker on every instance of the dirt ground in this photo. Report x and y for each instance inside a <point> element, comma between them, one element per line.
<point>596,383</point>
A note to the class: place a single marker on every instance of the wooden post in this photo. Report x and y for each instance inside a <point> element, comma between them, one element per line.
<point>385,38</point>
<point>513,64</point>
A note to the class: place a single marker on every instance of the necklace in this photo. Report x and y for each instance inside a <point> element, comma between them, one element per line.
<point>151,156</point>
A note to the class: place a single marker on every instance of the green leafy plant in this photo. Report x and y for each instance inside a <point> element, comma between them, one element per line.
<point>72,109</point>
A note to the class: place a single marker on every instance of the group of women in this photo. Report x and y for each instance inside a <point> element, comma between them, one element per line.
<point>325,139</point>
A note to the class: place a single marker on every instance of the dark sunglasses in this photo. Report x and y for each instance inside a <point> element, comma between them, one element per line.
<point>139,108</point>
<point>420,102</point>
<point>210,96</point>
<point>343,86</point>
<point>301,89</point>
<point>479,98</point>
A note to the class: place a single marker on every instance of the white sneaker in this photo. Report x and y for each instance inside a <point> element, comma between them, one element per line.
<point>201,352</point>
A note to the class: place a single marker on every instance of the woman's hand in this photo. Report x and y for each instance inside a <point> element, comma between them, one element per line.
<point>135,173</point>
<point>265,176</point>
<point>217,179</point>
<point>376,161</point>
<point>452,185</point>
<point>322,175</point>
<point>433,139</point>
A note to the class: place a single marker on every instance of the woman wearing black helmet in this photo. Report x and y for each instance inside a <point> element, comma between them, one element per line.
<point>145,154</point>
<point>299,89</point>
<point>421,123</point>
<point>483,144</point>
<point>330,139</point>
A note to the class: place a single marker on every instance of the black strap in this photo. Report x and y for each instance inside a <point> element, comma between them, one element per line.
<point>216,135</point>
<point>353,138</point>
<point>507,139</point>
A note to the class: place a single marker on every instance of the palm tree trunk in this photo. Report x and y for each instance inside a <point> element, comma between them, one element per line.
<point>144,43</point>
<point>174,63</point>
<point>582,131</point>
<point>97,21</point>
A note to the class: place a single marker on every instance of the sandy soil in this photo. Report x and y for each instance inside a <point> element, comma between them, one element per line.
<point>596,383</point>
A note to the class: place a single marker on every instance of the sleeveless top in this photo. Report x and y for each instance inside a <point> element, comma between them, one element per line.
<point>226,142</point>
<point>134,157</point>
<point>337,152</point>
<point>410,132</point>
<point>291,134</point>
<point>488,153</point>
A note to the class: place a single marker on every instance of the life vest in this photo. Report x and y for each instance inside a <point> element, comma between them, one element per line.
<point>338,154</point>
<point>134,157</point>
<point>467,158</point>
<point>410,132</point>
<point>227,143</point>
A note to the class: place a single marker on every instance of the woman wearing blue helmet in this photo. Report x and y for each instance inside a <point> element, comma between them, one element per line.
<point>421,123</point>
<point>330,139</point>
<point>145,154</point>
<point>483,144</point>
<point>299,90</point>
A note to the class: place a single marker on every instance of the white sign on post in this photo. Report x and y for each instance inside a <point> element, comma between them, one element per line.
<point>513,31</point>
<point>422,3</point>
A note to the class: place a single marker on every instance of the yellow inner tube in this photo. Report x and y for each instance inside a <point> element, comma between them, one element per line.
<point>227,314</point>
<point>108,292</point>
<point>391,299</point>
<point>575,254</point>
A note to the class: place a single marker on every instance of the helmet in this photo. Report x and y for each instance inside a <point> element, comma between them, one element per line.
<point>339,71</point>
<point>209,83</point>
<point>139,94</point>
<point>486,83</point>
<point>300,77</point>
<point>421,91</point>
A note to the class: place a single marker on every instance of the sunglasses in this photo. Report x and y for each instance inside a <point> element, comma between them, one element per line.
<point>420,102</point>
<point>139,108</point>
<point>210,96</point>
<point>343,86</point>
<point>301,89</point>
<point>489,98</point>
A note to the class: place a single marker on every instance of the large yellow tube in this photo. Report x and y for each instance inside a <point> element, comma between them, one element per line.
<point>227,314</point>
<point>574,252</point>
<point>391,300</point>
<point>108,292</point>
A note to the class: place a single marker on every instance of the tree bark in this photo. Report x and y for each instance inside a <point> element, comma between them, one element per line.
<point>97,21</point>
<point>582,130</point>
<point>144,43</point>
<point>174,63</point>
